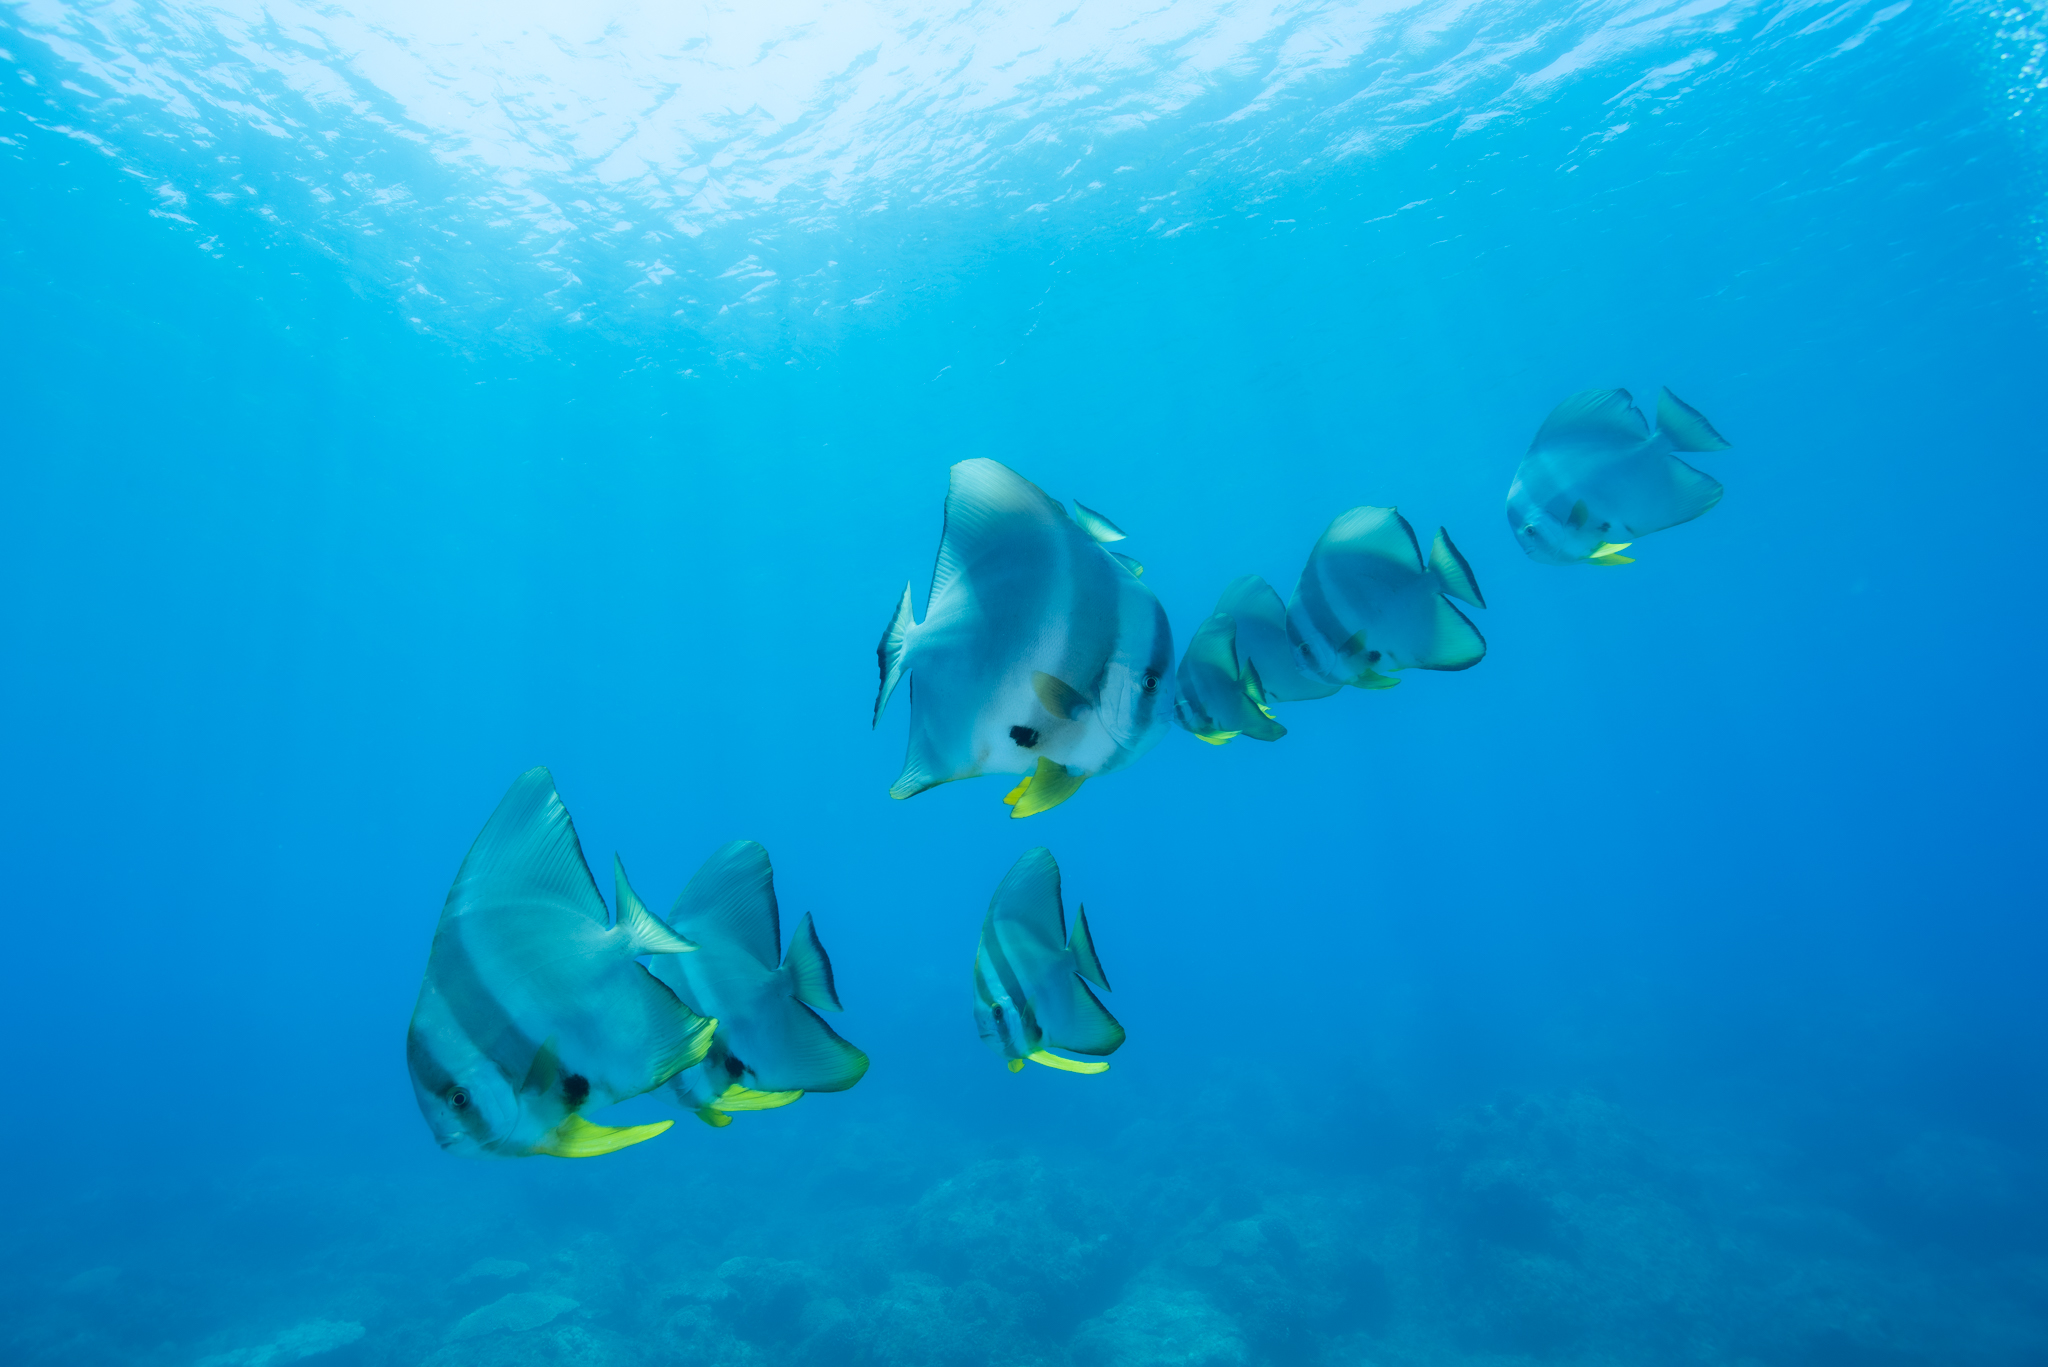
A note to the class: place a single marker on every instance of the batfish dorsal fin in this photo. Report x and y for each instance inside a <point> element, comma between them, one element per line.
<point>528,851</point>
<point>810,969</point>
<point>645,934</point>
<point>731,900</point>
<point>1376,531</point>
<point>1600,416</point>
<point>1029,897</point>
<point>1095,524</point>
<point>980,496</point>
<point>1687,427</point>
<point>1057,696</point>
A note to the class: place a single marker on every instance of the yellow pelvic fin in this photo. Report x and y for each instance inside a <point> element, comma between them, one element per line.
<point>1608,553</point>
<point>1047,788</point>
<point>1065,1065</point>
<point>1218,737</point>
<point>1016,1065</point>
<point>738,1098</point>
<point>578,1138</point>
<point>713,1117</point>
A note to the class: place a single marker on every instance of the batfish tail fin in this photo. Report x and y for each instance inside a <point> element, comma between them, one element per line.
<point>1686,426</point>
<point>889,653</point>
<point>1082,946</point>
<point>645,932</point>
<point>1450,572</point>
<point>809,969</point>
<point>1046,788</point>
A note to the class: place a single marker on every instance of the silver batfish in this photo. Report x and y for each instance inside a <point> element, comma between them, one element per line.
<point>533,1009</point>
<point>1031,977</point>
<point>1597,479</point>
<point>1220,696</point>
<point>1369,604</point>
<point>771,1046</point>
<point>1040,653</point>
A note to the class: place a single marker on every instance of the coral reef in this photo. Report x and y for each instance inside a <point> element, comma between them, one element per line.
<point>1531,1231</point>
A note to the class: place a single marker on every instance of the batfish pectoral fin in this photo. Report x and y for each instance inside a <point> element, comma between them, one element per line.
<point>1374,679</point>
<point>1016,1065</point>
<point>1609,553</point>
<point>1045,789</point>
<point>1065,1065</point>
<point>578,1138</point>
<point>545,1070</point>
<point>1578,516</point>
<point>1057,696</point>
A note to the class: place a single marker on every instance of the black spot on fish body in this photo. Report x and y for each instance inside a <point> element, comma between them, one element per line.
<point>733,1066</point>
<point>1024,736</point>
<point>575,1089</point>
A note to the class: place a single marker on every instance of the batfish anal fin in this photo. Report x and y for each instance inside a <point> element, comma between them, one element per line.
<point>1043,790</point>
<point>1096,525</point>
<point>645,933</point>
<point>1686,426</point>
<point>1065,1065</point>
<point>578,1138</point>
<point>1057,696</point>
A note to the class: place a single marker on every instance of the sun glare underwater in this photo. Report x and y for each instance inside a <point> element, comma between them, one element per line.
<point>1235,683</point>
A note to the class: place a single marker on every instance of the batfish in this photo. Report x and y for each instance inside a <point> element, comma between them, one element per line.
<point>533,1009</point>
<point>1040,653</point>
<point>1031,977</point>
<point>771,1045</point>
<point>1597,479</point>
<point>1219,696</point>
<point>1368,603</point>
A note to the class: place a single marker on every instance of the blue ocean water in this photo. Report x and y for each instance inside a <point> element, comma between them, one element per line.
<point>398,400</point>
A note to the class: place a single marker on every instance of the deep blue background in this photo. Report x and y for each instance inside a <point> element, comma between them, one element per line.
<point>1742,839</point>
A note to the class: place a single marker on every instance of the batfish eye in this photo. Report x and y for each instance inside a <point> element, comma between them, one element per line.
<point>1151,682</point>
<point>459,1098</point>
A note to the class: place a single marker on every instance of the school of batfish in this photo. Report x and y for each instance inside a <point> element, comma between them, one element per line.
<point>1041,654</point>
